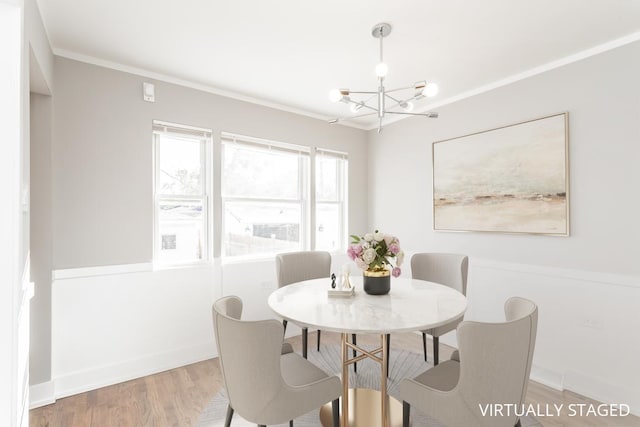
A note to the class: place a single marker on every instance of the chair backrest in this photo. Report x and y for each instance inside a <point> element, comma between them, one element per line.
<point>249,354</point>
<point>447,269</point>
<point>496,359</point>
<point>294,267</point>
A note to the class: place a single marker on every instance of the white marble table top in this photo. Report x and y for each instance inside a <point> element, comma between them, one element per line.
<point>411,305</point>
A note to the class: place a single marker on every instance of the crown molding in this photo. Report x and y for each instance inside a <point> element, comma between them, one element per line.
<point>601,48</point>
<point>587,53</point>
<point>192,85</point>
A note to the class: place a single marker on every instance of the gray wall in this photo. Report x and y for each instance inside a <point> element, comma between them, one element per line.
<point>92,180</point>
<point>102,157</point>
<point>601,94</point>
<point>38,77</point>
<point>587,285</point>
<point>41,237</point>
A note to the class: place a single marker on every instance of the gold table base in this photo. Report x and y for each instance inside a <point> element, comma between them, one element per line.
<point>364,410</point>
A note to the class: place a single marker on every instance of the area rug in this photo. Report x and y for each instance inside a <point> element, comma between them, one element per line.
<point>402,364</point>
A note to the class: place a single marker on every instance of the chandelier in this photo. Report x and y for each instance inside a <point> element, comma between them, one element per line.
<point>381,102</point>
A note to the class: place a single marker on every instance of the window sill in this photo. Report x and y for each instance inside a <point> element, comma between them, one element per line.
<point>196,264</point>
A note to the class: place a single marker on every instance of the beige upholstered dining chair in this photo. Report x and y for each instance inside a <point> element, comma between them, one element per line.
<point>492,366</point>
<point>266,382</point>
<point>294,267</point>
<point>445,269</point>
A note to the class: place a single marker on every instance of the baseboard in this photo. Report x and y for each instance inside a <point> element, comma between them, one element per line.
<point>573,381</point>
<point>601,391</point>
<point>547,377</point>
<point>41,394</point>
<point>91,379</point>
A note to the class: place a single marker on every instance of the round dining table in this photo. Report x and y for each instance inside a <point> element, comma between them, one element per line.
<point>411,305</point>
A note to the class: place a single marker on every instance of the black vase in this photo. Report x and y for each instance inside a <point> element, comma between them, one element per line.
<point>377,282</point>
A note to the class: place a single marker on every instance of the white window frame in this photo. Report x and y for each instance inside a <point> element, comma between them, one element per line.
<point>303,200</point>
<point>307,192</point>
<point>343,193</point>
<point>204,136</point>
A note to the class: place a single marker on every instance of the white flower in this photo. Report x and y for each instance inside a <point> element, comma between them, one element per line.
<point>368,237</point>
<point>369,255</point>
<point>378,236</point>
<point>399,258</point>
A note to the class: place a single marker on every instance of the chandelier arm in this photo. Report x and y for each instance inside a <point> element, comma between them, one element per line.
<point>398,101</point>
<point>370,108</point>
<point>363,92</point>
<point>429,114</point>
<point>401,88</point>
<point>362,104</point>
<point>344,119</point>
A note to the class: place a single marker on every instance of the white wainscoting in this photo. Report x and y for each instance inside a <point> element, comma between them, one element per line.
<point>115,324</point>
<point>587,328</point>
<point>120,324</point>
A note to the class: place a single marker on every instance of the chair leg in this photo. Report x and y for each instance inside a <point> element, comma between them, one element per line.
<point>284,323</point>
<point>406,409</point>
<point>355,364</point>
<point>261,425</point>
<point>318,339</point>
<point>388,351</point>
<point>436,347</point>
<point>227,420</point>
<point>424,345</point>
<point>335,409</point>
<point>518,423</point>
<point>305,337</point>
<point>290,423</point>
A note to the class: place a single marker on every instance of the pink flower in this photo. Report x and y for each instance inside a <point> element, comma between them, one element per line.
<point>361,264</point>
<point>394,248</point>
<point>396,272</point>
<point>354,251</point>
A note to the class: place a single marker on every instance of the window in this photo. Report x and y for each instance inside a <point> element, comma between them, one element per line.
<point>264,196</point>
<point>182,186</point>
<point>331,189</point>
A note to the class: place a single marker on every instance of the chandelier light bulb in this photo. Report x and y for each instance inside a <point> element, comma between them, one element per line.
<point>335,95</point>
<point>382,69</point>
<point>430,90</point>
<point>406,106</point>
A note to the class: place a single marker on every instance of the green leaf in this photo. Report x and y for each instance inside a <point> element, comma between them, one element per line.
<point>354,238</point>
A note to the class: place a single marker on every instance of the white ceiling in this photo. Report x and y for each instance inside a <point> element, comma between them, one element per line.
<point>292,52</point>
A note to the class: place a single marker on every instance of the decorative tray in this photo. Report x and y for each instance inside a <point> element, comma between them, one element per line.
<point>341,293</point>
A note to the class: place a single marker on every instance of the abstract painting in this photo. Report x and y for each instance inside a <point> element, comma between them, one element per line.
<point>512,179</point>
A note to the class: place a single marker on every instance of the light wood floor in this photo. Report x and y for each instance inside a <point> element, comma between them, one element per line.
<point>176,397</point>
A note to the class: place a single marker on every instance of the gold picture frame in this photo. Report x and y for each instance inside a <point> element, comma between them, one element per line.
<point>510,179</point>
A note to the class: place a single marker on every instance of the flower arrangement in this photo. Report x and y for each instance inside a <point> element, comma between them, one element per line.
<point>374,251</point>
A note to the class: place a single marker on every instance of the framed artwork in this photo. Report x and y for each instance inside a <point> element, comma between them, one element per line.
<point>513,179</point>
